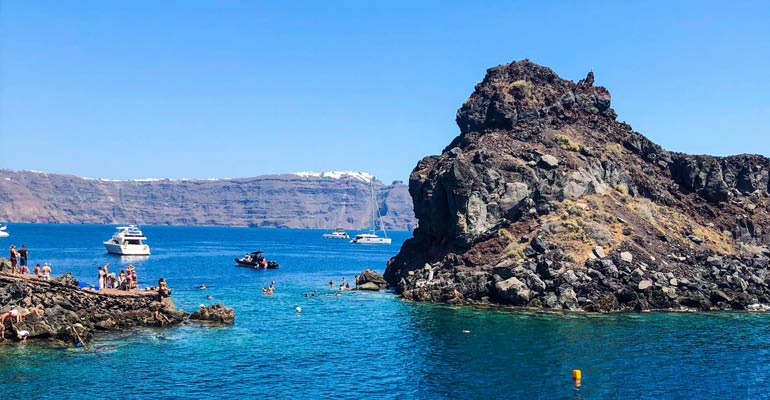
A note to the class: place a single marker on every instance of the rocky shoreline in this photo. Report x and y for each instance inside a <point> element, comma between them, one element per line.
<point>58,310</point>
<point>546,201</point>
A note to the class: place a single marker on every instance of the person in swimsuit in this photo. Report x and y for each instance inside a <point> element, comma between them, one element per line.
<point>163,290</point>
<point>46,271</point>
<point>100,278</point>
<point>14,254</point>
<point>14,314</point>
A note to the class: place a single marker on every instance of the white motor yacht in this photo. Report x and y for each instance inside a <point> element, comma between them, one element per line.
<point>338,233</point>
<point>3,233</point>
<point>128,241</point>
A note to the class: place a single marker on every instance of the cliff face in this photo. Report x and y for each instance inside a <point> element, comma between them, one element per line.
<point>287,201</point>
<point>545,200</point>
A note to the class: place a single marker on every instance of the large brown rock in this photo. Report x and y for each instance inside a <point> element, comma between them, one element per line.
<point>216,313</point>
<point>539,156</point>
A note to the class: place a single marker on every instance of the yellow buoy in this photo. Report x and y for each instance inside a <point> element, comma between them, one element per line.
<point>577,375</point>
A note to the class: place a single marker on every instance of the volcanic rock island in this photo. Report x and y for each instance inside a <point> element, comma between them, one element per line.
<point>546,201</point>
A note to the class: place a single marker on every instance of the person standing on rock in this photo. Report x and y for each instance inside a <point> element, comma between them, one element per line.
<point>14,254</point>
<point>134,280</point>
<point>106,275</point>
<point>37,270</point>
<point>46,271</point>
<point>23,253</point>
<point>100,279</point>
<point>128,276</point>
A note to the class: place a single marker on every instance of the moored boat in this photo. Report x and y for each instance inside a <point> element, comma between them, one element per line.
<point>255,260</point>
<point>338,233</point>
<point>128,241</point>
<point>370,238</point>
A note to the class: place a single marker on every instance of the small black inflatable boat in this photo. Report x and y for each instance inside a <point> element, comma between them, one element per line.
<point>256,260</point>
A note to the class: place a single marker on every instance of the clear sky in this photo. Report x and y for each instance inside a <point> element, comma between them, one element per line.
<point>218,89</point>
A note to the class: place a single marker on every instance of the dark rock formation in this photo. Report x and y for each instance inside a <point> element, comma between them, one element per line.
<point>59,310</point>
<point>216,314</point>
<point>370,280</point>
<point>545,200</point>
<point>285,201</point>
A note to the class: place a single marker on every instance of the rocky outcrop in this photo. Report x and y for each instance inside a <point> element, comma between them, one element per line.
<point>215,314</point>
<point>59,310</point>
<point>545,200</point>
<point>370,280</point>
<point>302,200</point>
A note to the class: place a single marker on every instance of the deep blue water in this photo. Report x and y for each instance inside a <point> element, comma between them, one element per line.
<point>362,344</point>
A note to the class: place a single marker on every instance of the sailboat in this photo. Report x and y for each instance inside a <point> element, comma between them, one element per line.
<point>372,238</point>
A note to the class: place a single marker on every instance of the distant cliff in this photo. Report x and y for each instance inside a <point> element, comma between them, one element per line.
<point>302,200</point>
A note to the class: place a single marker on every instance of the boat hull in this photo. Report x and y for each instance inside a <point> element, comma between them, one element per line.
<point>378,240</point>
<point>334,236</point>
<point>255,265</point>
<point>127,249</point>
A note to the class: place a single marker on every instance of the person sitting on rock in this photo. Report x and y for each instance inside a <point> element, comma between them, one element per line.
<point>163,290</point>
<point>162,319</point>
<point>36,271</point>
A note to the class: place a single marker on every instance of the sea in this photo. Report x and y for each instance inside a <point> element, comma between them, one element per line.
<point>361,344</point>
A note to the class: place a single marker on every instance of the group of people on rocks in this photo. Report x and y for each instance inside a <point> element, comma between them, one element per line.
<point>14,316</point>
<point>125,280</point>
<point>18,258</point>
<point>19,266</point>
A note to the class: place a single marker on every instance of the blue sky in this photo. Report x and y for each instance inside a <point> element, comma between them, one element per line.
<point>216,89</point>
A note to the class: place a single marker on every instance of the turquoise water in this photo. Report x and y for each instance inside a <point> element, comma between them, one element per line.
<point>362,344</point>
